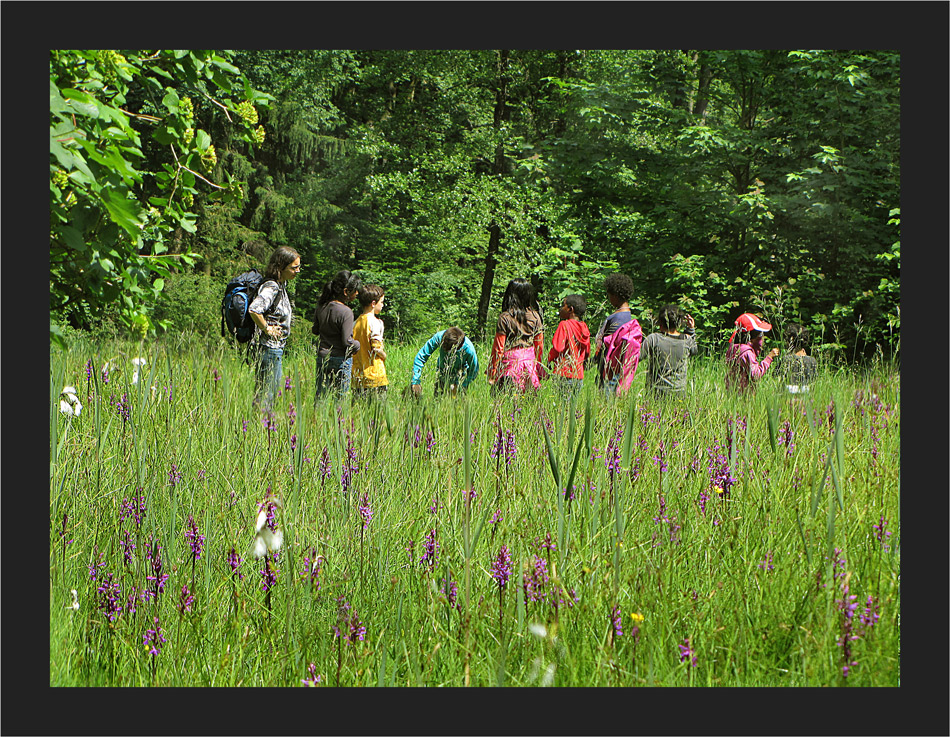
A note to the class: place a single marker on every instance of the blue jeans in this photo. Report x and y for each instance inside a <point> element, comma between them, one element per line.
<point>568,387</point>
<point>609,386</point>
<point>334,372</point>
<point>268,375</point>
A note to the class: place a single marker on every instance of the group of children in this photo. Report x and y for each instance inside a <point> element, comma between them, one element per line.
<point>351,353</point>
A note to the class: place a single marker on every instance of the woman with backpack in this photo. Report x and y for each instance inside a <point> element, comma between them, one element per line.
<point>271,312</point>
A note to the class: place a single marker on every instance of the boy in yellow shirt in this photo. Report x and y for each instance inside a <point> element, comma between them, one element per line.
<point>369,367</point>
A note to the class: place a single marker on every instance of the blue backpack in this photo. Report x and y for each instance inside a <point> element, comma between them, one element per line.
<point>238,295</point>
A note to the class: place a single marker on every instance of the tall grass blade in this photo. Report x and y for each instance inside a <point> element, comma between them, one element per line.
<point>552,459</point>
<point>381,675</point>
<point>773,423</point>
<point>481,526</point>
<point>588,428</point>
<point>801,532</point>
<point>831,527</point>
<point>628,436</point>
<point>571,424</point>
<point>817,489</point>
<point>467,445</point>
<point>577,457</point>
<point>839,452</point>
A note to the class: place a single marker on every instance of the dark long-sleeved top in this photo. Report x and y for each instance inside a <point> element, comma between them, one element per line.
<point>333,324</point>
<point>667,359</point>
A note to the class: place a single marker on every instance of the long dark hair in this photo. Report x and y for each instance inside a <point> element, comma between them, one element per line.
<point>520,297</point>
<point>668,318</point>
<point>343,281</point>
<point>280,259</point>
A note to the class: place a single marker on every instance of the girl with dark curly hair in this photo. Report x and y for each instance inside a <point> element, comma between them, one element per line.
<point>619,289</point>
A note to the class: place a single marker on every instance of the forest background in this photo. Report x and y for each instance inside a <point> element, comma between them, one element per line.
<point>725,181</point>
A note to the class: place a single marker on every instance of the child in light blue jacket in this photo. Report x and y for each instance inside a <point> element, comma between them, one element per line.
<point>457,365</point>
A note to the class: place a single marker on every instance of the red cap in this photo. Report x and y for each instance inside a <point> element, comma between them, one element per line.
<point>749,322</point>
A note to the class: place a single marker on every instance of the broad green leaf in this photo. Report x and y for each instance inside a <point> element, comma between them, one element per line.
<point>64,157</point>
<point>72,237</point>
<point>81,103</point>
<point>202,140</point>
<point>56,102</point>
<point>165,135</point>
<point>170,101</point>
<point>124,212</point>
<point>218,61</point>
<point>188,222</point>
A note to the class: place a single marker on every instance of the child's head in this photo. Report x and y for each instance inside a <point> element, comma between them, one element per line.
<point>750,329</point>
<point>519,297</point>
<point>371,298</point>
<point>668,318</point>
<point>343,287</point>
<point>452,339</point>
<point>573,305</point>
<point>619,288</point>
<point>797,337</point>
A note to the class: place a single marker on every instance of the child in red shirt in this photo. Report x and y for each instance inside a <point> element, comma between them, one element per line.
<point>570,346</point>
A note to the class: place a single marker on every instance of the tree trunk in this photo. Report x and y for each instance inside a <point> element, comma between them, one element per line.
<point>491,261</point>
<point>498,169</point>
<point>702,93</point>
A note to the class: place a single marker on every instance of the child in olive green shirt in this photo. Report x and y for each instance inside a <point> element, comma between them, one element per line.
<point>668,351</point>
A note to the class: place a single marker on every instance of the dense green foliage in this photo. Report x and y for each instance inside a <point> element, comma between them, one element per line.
<point>121,202</point>
<point>726,181</point>
<point>756,578</point>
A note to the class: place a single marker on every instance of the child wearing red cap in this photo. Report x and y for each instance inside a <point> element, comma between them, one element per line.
<point>746,343</point>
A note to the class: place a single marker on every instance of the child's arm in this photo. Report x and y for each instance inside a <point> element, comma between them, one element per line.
<point>753,367</point>
<point>539,346</point>
<point>376,340</point>
<point>599,338</point>
<point>494,359</point>
<point>558,343</point>
<point>471,360</point>
<point>423,355</point>
<point>690,331</point>
<point>346,331</point>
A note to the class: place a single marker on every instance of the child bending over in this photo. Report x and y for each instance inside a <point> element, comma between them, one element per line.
<point>457,365</point>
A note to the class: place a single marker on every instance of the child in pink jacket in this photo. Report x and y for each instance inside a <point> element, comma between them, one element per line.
<point>743,367</point>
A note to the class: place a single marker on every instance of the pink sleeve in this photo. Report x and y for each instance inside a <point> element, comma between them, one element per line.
<point>752,366</point>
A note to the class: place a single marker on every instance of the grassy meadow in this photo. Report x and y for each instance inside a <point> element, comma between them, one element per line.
<point>518,541</point>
